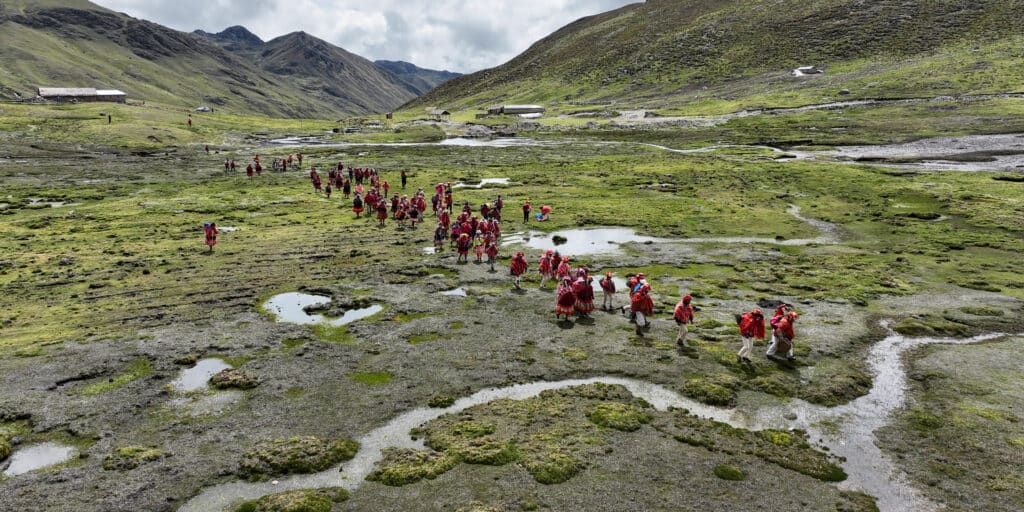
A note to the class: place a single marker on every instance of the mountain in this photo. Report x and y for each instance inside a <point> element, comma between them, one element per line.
<point>318,57</point>
<point>416,79</point>
<point>233,39</point>
<point>78,43</point>
<point>330,73</point>
<point>673,51</point>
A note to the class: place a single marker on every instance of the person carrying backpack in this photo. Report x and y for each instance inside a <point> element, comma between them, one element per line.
<point>783,335</point>
<point>683,315</point>
<point>751,326</point>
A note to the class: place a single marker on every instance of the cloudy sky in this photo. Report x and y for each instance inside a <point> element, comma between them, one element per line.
<point>457,35</point>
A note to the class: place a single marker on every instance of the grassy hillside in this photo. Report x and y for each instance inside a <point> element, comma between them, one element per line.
<point>85,45</point>
<point>673,52</point>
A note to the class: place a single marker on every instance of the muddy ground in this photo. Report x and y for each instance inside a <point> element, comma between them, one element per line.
<point>109,297</point>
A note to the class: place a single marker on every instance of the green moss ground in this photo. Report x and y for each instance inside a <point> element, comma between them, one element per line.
<point>960,440</point>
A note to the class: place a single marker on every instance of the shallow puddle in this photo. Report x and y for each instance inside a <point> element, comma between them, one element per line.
<point>483,183</point>
<point>579,242</point>
<point>198,377</point>
<point>868,468</point>
<point>39,456</point>
<point>290,308</point>
<point>458,292</point>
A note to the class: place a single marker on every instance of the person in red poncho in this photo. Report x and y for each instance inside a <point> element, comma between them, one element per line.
<point>546,267</point>
<point>563,270</point>
<point>249,170</point>
<point>357,204</point>
<point>683,315</point>
<point>608,287</point>
<point>566,302</point>
<point>584,290</point>
<point>783,335</point>
<point>518,267</point>
<point>382,211</point>
<point>492,253</point>
<point>643,307</point>
<point>463,244</point>
<point>210,230</point>
<point>751,326</point>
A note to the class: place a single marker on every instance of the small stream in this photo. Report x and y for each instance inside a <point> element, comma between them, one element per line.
<point>851,436</point>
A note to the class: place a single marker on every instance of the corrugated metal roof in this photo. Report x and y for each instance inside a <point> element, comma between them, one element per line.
<point>523,107</point>
<point>67,91</point>
<point>110,92</point>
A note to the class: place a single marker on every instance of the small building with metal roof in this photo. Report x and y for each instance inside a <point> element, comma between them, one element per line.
<point>81,94</point>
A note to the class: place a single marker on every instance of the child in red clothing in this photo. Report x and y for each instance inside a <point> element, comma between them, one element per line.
<point>518,267</point>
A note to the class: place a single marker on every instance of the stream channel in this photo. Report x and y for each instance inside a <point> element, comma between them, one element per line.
<point>850,435</point>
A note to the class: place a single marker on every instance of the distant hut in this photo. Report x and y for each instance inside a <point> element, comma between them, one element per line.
<point>439,114</point>
<point>81,94</point>
<point>515,110</point>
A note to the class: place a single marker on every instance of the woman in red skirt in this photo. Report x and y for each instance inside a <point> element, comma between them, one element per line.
<point>382,211</point>
<point>566,304</point>
<point>463,244</point>
<point>584,295</point>
<point>357,204</point>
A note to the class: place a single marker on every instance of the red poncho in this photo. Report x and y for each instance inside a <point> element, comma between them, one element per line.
<point>518,266</point>
<point>752,326</point>
<point>642,303</point>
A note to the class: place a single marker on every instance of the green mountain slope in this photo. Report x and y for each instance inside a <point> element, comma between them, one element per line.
<point>44,43</point>
<point>665,53</point>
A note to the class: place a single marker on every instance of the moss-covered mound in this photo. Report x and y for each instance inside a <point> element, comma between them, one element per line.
<point>787,449</point>
<point>620,416</point>
<point>553,435</point>
<point>726,472</point>
<point>233,378</point>
<point>441,401</point>
<point>930,325</point>
<point>401,466</point>
<point>131,457</point>
<point>5,449</point>
<point>303,500</point>
<point>835,382</point>
<point>719,389</point>
<point>305,454</point>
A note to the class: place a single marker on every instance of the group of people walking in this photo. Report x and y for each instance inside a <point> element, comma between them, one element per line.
<point>575,297</point>
<point>480,232</point>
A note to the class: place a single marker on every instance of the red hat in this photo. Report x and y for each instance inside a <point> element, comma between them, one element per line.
<point>687,298</point>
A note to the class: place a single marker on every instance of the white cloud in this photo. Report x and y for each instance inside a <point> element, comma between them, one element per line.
<point>458,35</point>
